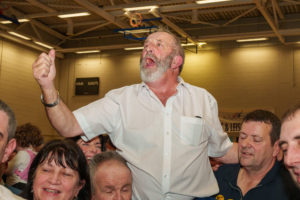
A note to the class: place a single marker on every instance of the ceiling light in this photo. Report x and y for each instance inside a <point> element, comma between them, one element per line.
<point>44,45</point>
<point>89,51</point>
<point>140,8</point>
<point>18,35</point>
<point>133,48</point>
<point>201,43</point>
<point>140,30</point>
<point>252,40</point>
<point>193,44</point>
<point>74,15</point>
<point>210,1</point>
<point>10,22</point>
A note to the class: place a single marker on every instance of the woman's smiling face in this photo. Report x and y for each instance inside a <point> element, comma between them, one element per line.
<point>54,182</point>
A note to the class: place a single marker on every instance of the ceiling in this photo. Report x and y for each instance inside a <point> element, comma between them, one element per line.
<point>279,20</point>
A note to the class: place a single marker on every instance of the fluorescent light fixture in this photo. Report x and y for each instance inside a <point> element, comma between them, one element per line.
<point>74,15</point>
<point>140,8</point>
<point>193,44</point>
<point>44,45</point>
<point>252,40</point>
<point>89,51</point>
<point>201,43</point>
<point>10,22</point>
<point>19,35</point>
<point>133,48</point>
<point>210,1</point>
<point>142,30</point>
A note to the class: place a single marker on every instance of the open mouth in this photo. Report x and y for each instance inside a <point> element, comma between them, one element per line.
<point>245,153</point>
<point>52,191</point>
<point>149,62</point>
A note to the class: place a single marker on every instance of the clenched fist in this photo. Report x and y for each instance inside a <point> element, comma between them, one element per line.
<point>44,70</point>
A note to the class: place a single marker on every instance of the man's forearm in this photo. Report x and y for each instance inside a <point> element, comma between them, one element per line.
<point>231,156</point>
<point>60,116</point>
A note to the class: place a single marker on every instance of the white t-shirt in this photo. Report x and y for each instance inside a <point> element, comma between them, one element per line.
<point>20,161</point>
<point>167,147</point>
<point>6,194</point>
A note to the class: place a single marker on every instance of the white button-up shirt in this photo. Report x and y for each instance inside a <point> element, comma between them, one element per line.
<point>167,147</point>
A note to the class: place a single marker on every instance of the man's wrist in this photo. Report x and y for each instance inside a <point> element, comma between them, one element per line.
<point>56,102</point>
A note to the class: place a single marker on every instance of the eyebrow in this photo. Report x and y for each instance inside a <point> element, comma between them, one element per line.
<point>297,137</point>
<point>281,143</point>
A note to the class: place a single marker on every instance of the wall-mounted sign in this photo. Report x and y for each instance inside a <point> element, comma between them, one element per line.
<point>87,86</point>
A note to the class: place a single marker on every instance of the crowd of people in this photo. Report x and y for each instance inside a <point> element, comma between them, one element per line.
<point>166,134</point>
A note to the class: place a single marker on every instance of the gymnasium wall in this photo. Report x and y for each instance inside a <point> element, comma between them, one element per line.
<point>241,79</point>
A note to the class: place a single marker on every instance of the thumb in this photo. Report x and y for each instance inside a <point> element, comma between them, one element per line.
<point>51,54</point>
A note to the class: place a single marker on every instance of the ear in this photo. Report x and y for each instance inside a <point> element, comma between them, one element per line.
<point>176,62</point>
<point>10,147</point>
<point>79,187</point>
<point>276,149</point>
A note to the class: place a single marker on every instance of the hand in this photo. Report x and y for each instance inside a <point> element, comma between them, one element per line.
<point>44,70</point>
<point>215,164</point>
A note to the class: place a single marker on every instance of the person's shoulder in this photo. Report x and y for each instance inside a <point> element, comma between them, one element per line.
<point>199,92</point>
<point>7,194</point>
<point>124,90</point>
<point>227,170</point>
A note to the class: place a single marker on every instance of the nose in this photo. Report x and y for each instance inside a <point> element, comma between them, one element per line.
<point>148,48</point>
<point>93,149</point>
<point>54,178</point>
<point>118,196</point>
<point>244,142</point>
<point>292,156</point>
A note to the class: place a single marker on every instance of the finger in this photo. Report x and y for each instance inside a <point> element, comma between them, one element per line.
<point>42,59</point>
<point>52,56</point>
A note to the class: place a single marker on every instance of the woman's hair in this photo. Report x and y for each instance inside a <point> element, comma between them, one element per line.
<point>28,134</point>
<point>102,138</point>
<point>65,153</point>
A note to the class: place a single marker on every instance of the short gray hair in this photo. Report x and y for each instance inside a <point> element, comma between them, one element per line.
<point>12,123</point>
<point>101,158</point>
<point>178,50</point>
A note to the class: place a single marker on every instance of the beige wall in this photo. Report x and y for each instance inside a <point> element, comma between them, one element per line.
<point>19,89</point>
<point>239,78</point>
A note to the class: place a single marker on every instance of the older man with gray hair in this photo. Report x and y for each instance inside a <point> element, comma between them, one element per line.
<point>110,177</point>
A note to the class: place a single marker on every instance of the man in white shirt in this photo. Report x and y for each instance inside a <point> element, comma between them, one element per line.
<point>164,128</point>
<point>7,143</point>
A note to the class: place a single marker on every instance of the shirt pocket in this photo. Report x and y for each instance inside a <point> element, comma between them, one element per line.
<point>192,130</point>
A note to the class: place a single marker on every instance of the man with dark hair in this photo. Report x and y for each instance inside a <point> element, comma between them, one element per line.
<point>290,142</point>
<point>110,177</point>
<point>7,143</point>
<point>257,174</point>
<point>164,127</point>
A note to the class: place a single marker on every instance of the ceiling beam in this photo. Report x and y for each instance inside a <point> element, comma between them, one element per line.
<point>27,43</point>
<point>176,28</point>
<point>269,19</point>
<point>101,12</point>
<point>102,47</point>
<point>41,26</point>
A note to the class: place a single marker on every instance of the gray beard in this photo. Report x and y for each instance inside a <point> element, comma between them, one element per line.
<point>151,75</point>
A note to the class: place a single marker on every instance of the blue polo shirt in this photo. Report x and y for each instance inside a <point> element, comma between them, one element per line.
<point>271,186</point>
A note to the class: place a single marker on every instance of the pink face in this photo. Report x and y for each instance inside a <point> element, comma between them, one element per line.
<point>53,182</point>
<point>112,181</point>
<point>255,148</point>
<point>290,145</point>
<point>90,148</point>
<point>3,136</point>
<point>157,56</point>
